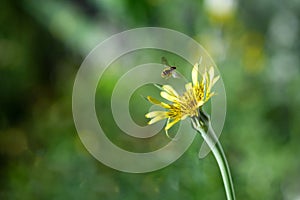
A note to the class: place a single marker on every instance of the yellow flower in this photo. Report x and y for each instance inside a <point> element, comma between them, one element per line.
<point>187,104</point>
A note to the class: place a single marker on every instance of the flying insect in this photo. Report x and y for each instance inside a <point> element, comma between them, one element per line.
<point>169,71</point>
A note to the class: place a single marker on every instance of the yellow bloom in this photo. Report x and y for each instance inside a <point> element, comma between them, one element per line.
<point>187,104</point>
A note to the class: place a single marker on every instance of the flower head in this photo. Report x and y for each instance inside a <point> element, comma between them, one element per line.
<point>187,104</point>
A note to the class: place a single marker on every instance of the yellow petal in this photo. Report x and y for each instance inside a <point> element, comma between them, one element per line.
<point>188,86</point>
<point>170,124</point>
<point>195,74</point>
<point>211,73</point>
<point>170,90</point>
<point>215,80</point>
<point>168,96</point>
<point>165,105</point>
<point>184,117</point>
<point>155,114</point>
<point>204,79</point>
<point>210,95</point>
<point>200,103</point>
<point>155,101</point>
<point>156,119</point>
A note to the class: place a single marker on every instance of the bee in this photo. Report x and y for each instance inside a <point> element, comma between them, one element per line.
<point>168,70</point>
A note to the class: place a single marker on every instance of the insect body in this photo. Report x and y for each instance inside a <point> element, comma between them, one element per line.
<point>168,70</point>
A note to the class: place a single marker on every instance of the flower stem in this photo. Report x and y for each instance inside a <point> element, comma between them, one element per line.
<point>211,139</point>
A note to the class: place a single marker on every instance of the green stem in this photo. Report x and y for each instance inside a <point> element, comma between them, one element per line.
<point>214,144</point>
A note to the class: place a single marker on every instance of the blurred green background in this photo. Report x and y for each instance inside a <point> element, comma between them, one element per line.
<point>255,44</point>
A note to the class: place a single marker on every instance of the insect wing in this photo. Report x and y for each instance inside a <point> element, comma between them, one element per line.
<point>164,61</point>
<point>175,74</point>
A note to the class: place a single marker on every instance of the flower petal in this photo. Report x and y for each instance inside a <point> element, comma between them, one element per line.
<point>168,96</point>
<point>204,79</point>
<point>157,102</point>
<point>215,80</point>
<point>188,86</point>
<point>170,124</point>
<point>200,103</point>
<point>210,95</point>
<point>211,73</point>
<point>155,114</point>
<point>170,90</point>
<point>153,100</point>
<point>195,74</point>
<point>206,84</point>
<point>184,117</point>
<point>158,117</point>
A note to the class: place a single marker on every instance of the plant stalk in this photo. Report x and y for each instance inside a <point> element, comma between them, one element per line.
<point>208,134</point>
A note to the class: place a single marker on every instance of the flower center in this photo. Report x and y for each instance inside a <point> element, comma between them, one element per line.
<point>189,103</point>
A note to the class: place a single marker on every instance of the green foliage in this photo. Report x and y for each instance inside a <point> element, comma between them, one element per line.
<point>42,45</point>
